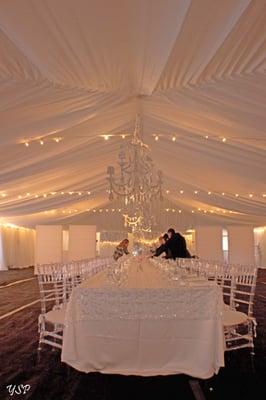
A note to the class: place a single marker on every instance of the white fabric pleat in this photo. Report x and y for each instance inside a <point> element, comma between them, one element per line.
<point>83,69</point>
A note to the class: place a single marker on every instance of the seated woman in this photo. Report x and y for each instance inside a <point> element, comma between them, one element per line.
<point>121,249</point>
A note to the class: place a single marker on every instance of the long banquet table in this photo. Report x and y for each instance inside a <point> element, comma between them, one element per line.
<point>149,326</point>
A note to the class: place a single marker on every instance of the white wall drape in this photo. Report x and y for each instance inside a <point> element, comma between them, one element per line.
<point>241,245</point>
<point>82,242</point>
<point>49,244</point>
<point>16,247</point>
<point>260,243</point>
<point>209,242</point>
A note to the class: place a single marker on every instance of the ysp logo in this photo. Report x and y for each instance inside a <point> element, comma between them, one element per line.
<point>18,389</point>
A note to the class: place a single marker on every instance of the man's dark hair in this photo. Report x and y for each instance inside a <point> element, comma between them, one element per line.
<point>165,236</point>
<point>171,230</point>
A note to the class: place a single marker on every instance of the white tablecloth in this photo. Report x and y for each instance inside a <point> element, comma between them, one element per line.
<point>147,328</point>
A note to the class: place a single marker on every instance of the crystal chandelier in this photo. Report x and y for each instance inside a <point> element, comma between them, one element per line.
<point>137,183</point>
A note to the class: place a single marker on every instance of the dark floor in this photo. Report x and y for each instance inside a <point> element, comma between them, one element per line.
<point>242,378</point>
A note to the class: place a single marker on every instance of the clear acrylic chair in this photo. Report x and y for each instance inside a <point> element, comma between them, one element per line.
<point>54,293</point>
<point>239,322</point>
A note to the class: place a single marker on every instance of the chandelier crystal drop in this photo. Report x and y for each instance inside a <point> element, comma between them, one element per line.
<point>137,183</point>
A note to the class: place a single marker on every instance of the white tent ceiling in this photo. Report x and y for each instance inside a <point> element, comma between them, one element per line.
<point>81,69</point>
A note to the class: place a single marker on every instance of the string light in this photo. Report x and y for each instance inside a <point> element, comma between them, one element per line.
<point>257,196</point>
<point>173,138</point>
<point>106,137</point>
<point>41,141</point>
<point>224,139</point>
<point>173,210</point>
<point>156,138</point>
<point>123,136</point>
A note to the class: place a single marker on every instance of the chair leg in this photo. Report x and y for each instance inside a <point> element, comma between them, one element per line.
<point>252,363</point>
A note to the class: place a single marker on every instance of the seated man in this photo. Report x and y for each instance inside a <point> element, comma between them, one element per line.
<point>162,248</point>
<point>175,246</point>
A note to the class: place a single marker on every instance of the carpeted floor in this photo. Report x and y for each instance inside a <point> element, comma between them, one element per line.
<point>243,378</point>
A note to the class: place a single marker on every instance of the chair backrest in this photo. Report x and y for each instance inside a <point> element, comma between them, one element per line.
<point>245,280</point>
<point>52,286</point>
<point>238,282</point>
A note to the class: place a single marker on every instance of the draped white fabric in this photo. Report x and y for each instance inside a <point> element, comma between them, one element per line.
<point>81,69</point>
<point>16,247</point>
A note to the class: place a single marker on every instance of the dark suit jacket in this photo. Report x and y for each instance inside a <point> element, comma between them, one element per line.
<point>176,247</point>
<point>163,249</point>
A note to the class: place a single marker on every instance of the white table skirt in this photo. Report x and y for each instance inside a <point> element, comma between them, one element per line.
<point>165,331</point>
